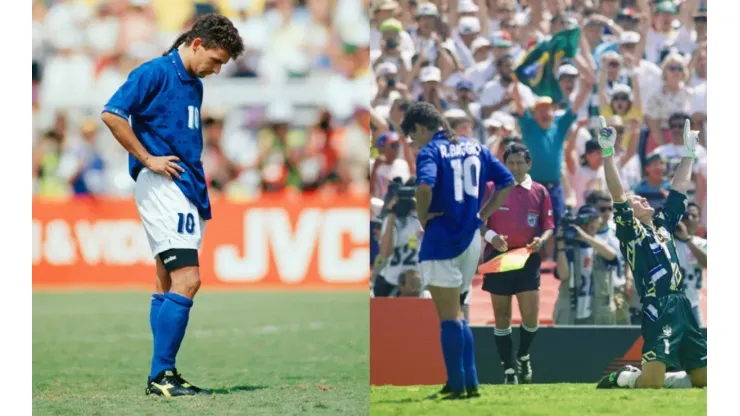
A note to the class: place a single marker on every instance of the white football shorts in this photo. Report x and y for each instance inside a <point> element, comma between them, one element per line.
<point>457,272</point>
<point>170,220</point>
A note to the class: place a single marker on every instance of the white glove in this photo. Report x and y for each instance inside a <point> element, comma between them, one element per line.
<point>607,137</point>
<point>690,139</point>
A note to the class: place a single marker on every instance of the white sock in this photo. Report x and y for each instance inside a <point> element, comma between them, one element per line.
<point>628,378</point>
<point>677,380</point>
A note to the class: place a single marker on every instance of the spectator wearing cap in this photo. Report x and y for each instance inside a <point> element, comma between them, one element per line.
<point>425,31</point>
<point>484,69</point>
<point>655,185</point>
<point>465,100</point>
<point>492,131</point>
<point>468,30</point>
<point>390,50</point>
<point>589,175</point>
<point>518,37</point>
<point>674,97</point>
<point>460,122</point>
<point>430,78</point>
<point>497,94</point>
<point>621,99</point>
<point>545,134</point>
<point>81,165</point>
<point>594,27</point>
<point>384,10</point>
<point>567,75</point>
<point>664,33</point>
<point>387,165</point>
<point>389,84</point>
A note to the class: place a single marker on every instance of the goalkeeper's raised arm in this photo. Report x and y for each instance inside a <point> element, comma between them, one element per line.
<point>607,138</point>
<point>682,177</point>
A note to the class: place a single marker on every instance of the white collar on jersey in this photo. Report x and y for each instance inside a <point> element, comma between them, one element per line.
<point>526,183</point>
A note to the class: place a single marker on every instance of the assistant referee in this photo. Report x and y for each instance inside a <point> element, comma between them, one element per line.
<point>525,219</point>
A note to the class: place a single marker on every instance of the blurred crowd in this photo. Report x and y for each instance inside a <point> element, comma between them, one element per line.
<point>540,73</point>
<point>83,50</point>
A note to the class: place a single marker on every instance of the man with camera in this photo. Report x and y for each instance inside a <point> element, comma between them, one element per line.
<point>524,220</point>
<point>624,283</point>
<point>586,266</point>
<point>400,240</point>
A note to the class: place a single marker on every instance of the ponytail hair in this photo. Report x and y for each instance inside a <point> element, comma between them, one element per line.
<point>179,41</point>
<point>451,136</point>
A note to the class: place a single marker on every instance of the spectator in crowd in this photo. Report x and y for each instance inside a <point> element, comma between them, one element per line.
<point>673,97</point>
<point>623,283</point>
<point>672,151</point>
<point>594,262</point>
<point>388,165</point>
<point>498,94</point>
<point>589,175</point>
<point>656,185</point>
<point>692,256</point>
<point>459,122</point>
<point>81,164</point>
<point>545,135</point>
<point>410,285</point>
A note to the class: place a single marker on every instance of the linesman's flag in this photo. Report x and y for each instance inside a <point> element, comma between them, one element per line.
<point>511,260</point>
<point>537,70</point>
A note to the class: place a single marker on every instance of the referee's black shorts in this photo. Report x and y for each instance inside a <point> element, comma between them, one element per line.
<point>515,281</point>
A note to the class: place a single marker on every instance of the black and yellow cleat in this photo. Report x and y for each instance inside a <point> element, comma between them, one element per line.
<point>167,384</point>
<point>610,381</point>
<point>184,383</point>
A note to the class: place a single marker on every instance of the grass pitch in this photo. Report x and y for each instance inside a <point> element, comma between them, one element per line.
<point>264,353</point>
<point>540,400</point>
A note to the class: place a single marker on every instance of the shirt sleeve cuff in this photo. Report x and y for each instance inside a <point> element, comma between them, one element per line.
<point>116,111</point>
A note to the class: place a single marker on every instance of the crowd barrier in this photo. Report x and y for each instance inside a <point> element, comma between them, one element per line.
<point>405,348</point>
<point>303,242</point>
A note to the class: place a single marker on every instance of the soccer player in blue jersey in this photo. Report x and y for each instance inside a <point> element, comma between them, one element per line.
<point>155,115</point>
<point>452,173</point>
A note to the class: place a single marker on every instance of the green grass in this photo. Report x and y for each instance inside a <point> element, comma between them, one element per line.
<point>540,400</point>
<point>266,354</point>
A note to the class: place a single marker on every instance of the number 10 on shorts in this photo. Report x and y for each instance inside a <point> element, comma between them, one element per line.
<point>185,223</point>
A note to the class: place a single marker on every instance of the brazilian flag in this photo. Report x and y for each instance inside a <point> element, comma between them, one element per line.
<point>537,70</point>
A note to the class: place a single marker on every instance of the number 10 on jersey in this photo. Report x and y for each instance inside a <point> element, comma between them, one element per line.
<point>466,174</point>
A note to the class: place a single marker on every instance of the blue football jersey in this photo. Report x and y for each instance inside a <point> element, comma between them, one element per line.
<point>458,173</point>
<point>162,103</point>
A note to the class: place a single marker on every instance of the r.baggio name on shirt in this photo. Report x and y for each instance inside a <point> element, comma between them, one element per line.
<point>459,149</point>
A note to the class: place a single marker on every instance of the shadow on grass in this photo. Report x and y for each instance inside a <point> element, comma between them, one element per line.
<point>235,389</point>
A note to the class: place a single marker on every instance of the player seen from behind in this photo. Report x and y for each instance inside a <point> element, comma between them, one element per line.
<point>451,176</point>
<point>155,115</point>
<point>671,333</point>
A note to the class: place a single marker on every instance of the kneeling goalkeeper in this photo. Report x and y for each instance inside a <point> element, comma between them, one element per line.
<point>671,333</point>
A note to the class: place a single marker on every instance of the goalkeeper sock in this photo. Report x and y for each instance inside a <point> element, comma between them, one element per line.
<point>452,350</point>
<point>504,344</point>
<point>157,301</point>
<point>471,373</point>
<point>171,325</point>
<point>677,380</point>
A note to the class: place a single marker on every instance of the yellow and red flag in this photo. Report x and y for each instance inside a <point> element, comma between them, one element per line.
<point>505,262</point>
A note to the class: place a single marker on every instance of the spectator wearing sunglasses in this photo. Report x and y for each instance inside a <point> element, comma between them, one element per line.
<point>674,97</point>
<point>623,283</point>
<point>623,101</point>
<point>673,152</point>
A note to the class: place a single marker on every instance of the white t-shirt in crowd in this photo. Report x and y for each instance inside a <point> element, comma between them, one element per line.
<point>673,153</point>
<point>386,173</point>
<point>657,41</point>
<point>480,73</point>
<point>692,270</point>
<point>650,78</point>
<point>586,180</point>
<point>406,44</point>
<point>494,92</point>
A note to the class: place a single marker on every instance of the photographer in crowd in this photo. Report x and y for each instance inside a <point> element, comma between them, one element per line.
<point>399,242</point>
<point>623,281</point>
<point>692,256</point>
<point>525,219</point>
<point>585,266</point>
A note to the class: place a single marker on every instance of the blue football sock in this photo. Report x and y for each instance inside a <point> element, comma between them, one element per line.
<point>171,324</point>
<point>452,350</point>
<point>471,373</point>
<point>157,301</point>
